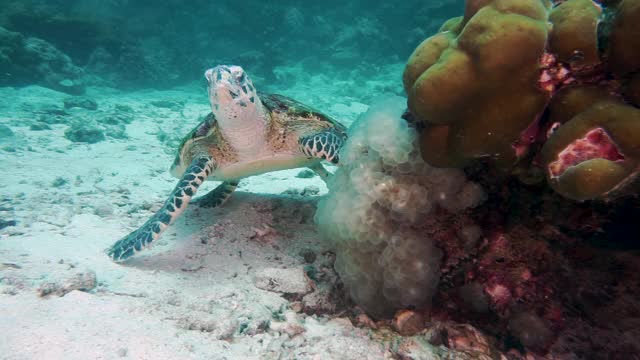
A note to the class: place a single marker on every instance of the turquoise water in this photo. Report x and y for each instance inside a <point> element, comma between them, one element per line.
<point>138,44</point>
<point>96,98</point>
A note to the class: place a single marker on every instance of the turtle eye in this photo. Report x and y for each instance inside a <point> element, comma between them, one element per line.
<point>233,95</point>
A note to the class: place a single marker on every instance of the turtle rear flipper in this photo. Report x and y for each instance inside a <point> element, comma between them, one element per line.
<point>217,196</point>
<point>320,171</point>
<point>186,188</point>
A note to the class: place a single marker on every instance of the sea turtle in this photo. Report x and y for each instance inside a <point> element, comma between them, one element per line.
<point>247,133</point>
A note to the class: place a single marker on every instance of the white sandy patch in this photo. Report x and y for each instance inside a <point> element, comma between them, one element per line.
<point>192,296</point>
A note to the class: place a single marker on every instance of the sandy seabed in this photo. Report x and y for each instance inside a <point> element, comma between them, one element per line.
<point>224,283</point>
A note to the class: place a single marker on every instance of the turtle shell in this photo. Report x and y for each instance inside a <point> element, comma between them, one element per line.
<point>202,129</point>
<point>284,104</point>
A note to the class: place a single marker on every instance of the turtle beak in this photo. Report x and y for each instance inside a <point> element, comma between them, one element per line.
<point>229,85</point>
<point>219,75</point>
<point>209,75</point>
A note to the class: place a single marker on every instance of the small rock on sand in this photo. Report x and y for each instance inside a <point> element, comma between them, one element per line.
<point>80,102</point>
<point>63,283</point>
<point>306,174</point>
<point>103,209</point>
<point>84,132</point>
<point>287,281</point>
<point>6,132</point>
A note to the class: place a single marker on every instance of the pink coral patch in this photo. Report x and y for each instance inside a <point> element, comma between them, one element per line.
<point>596,144</point>
<point>553,74</point>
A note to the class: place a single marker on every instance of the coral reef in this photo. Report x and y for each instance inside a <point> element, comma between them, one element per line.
<point>33,60</point>
<point>536,103</point>
<point>532,282</point>
<point>375,213</point>
<point>595,153</point>
<point>473,82</point>
<point>623,41</point>
<point>168,44</point>
<point>515,82</point>
<point>574,38</point>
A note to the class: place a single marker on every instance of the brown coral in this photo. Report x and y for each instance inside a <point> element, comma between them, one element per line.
<point>474,85</point>
<point>498,83</point>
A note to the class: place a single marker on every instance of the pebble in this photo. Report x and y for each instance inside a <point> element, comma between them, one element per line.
<point>59,182</point>
<point>287,281</point>
<point>84,132</point>
<point>309,190</point>
<point>61,284</point>
<point>80,102</point>
<point>306,174</point>
<point>103,209</point>
<point>6,132</point>
<point>290,326</point>
<point>308,255</point>
<point>408,322</point>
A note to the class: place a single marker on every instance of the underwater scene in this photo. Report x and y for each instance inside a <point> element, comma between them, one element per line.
<point>339,180</point>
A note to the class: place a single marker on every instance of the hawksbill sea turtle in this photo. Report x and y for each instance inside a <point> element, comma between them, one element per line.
<point>247,133</point>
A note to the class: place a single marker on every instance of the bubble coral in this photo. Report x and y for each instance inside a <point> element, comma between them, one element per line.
<point>378,200</point>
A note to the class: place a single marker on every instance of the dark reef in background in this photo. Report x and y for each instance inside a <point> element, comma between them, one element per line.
<point>150,44</point>
<point>29,60</point>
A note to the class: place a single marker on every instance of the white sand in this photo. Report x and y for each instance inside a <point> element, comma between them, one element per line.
<point>190,297</point>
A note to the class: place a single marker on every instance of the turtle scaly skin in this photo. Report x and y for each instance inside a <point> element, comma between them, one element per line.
<point>172,208</point>
<point>218,196</point>
<point>247,133</point>
<point>325,145</point>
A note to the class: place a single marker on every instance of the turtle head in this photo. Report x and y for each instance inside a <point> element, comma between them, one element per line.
<point>231,93</point>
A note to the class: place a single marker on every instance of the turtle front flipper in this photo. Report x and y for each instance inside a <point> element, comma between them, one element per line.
<point>217,196</point>
<point>324,145</point>
<point>186,188</point>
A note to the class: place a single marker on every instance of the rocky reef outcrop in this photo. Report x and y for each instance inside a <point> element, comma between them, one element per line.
<point>144,44</point>
<point>29,60</point>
